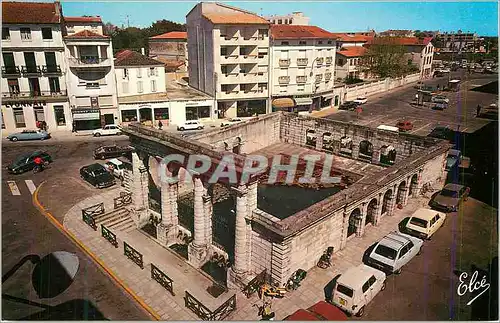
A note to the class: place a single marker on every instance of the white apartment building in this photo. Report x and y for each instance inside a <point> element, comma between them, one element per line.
<point>77,24</point>
<point>353,39</point>
<point>229,58</point>
<point>348,63</point>
<point>33,66</point>
<point>302,67</point>
<point>295,18</point>
<point>91,79</point>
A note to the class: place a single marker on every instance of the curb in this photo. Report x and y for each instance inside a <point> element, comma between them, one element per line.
<point>102,266</point>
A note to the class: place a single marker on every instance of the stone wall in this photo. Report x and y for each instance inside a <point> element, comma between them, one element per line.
<point>433,171</point>
<point>261,253</point>
<point>369,88</point>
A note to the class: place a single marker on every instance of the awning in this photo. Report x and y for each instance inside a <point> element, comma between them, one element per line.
<point>86,116</point>
<point>283,103</point>
<point>303,101</point>
<point>328,96</point>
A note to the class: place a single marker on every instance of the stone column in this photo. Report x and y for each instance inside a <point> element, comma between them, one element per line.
<point>392,201</point>
<point>208,213</point>
<point>197,250</point>
<point>319,141</point>
<point>360,228</point>
<point>378,209</point>
<point>355,150</point>
<point>376,156</point>
<point>240,268</point>
<point>140,190</point>
<point>345,228</point>
<point>406,193</point>
<point>167,230</point>
<point>419,183</point>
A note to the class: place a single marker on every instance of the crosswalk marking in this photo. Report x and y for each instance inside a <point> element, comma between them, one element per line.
<point>13,188</point>
<point>31,185</point>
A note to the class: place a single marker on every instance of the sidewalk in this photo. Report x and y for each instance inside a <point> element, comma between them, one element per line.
<point>186,278</point>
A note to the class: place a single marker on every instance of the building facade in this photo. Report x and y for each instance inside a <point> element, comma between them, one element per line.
<point>457,42</point>
<point>295,18</point>
<point>302,67</point>
<point>33,67</point>
<point>77,24</point>
<point>349,63</point>
<point>353,39</point>
<point>171,46</point>
<point>229,58</point>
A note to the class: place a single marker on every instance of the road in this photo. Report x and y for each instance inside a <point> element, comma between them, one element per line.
<point>25,231</point>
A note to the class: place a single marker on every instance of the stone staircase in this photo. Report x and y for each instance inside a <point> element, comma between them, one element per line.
<point>118,219</point>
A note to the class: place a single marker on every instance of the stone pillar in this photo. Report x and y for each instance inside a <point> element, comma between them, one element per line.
<point>360,228</point>
<point>345,228</point>
<point>378,209</point>
<point>319,141</point>
<point>240,268</point>
<point>406,193</point>
<point>419,183</point>
<point>336,147</point>
<point>392,201</point>
<point>167,230</point>
<point>376,156</point>
<point>198,249</point>
<point>140,190</point>
<point>208,213</point>
<point>280,260</point>
<point>355,150</point>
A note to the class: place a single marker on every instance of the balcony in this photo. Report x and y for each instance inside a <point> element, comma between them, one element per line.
<point>34,96</point>
<point>89,61</point>
<point>31,70</point>
<point>319,61</point>
<point>328,76</point>
<point>302,61</point>
<point>51,69</point>
<point>329,60</point>
<point>11,71</point>
<point>301,79</point>
<point>284,62</point>
<point>284,79</point>
<point>319,78</point>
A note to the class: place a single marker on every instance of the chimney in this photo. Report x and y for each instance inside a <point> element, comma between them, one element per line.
<point>58,9</point>
<point>142,51</point>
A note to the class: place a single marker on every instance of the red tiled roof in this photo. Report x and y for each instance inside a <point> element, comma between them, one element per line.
<point>352,51</point>
<point>30,13</point>
<point>86,34</point>
<point>302,32</point>
<point>171,63</point>
<point>83,19</point>
<point>405,41</point>
<point>127,57</point>
<point>240,18</point>
<point>171,35</point>
<point>345,37</point>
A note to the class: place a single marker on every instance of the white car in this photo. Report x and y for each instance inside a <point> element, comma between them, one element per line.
<point>361,100</point>
<point>231,121</point>
<point>424,223</point>
<point>117,167</point>
<point>356,287</point>
<point>440,99</point>
<point>394,251</point>
<point>110,129</point>
<point>190,125</point>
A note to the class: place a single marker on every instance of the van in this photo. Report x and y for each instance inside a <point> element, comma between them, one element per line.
<point>356,287</point>
<point>388,128</point>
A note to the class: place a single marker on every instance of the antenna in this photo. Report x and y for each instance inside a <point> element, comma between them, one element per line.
<point>128,22</point>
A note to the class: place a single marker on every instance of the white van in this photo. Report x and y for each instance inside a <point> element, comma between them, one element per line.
<point>388,128</point>
<point>357,287</point>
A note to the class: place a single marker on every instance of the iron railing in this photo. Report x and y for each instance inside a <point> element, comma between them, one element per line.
<point>108,235</point>
<point>284,79</point>
<point>91,211</point>
<point>302,61</point>
<point>33,94</point>
<point>225,309</point>
<point>284,62</point>
<point>133,255</point>
<point>162,279</point>
<point>31,69</point>
<point>301,79</point>
<point>205,313</point>
<point>123,199</point>
<point>87,60</point>
<point>11,70</point>
<point>48,69</point>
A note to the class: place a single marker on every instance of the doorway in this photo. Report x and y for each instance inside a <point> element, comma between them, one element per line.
<point>109,118</point>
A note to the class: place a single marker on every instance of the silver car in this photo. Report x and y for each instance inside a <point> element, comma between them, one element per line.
<point>29,135</point>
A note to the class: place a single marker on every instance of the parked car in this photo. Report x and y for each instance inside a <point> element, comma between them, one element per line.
<point>97,175</point>
<point>117,167</point>
<point>348,105</point>
<point>394,251</point>
<point>231,121</point>
<point>361,100</point>
<point>441,132</point>
<point>450,198</point>
<point>29,135</point>
<point>404,125</point>
<point>453,159</point>
<point>108,130</point>
<point>26,162</point>
<point>191,125</point>
<point>440,99</point>
<point>423,223</point>
<point>356,287</point>
<point>440,106</point>
<point>112,151</point>
<point>321,311</point>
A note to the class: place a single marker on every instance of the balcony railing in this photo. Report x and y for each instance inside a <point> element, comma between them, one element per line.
<point>284,62</point>
<point>319,61</point>
<point>328,76</point>
<point>10,70</point>
<point>329,60</point>
<point>88,61</point>
<point>34,94</point>
<point>302,61</point>
<point>319,78</point>
<point>51,69</point>
<point>284,79</point>
<point>31,69</point>
<point>301,79</point>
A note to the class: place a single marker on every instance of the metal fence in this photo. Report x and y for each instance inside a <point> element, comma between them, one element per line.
<point>90,212</point>
<point>133,255</point>
<point>162,279</point>
<point>123,199</point>
<point>205,313</point>
<point>108,235</point>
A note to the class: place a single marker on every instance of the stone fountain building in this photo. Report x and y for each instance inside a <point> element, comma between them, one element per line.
<point>275,229</point>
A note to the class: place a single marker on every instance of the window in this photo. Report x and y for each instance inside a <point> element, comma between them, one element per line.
<point>139,87</point>
<point>366,286</point>
<point>139,74</point>
<point>39,114</point>
<point>129,115</point>
<point>302,42</point>
<point>280,21</point>
<point>262,33</point>
<point>320,42</point>
<point>283,89</point>
<point>25,34</point>
<point>19,117</point>
<point>301,88</point>
<point>372,280</point>
<point>223,51</point>
<point>70,29</point>
<point>59,115</point>
<point>418,222</point>
<point>329,42</point>
<point>13,86</point>
<point>47,33</point>
<point>153,71</point>
<point>3,123</point>
<point>153,86</point>
<point>125,87</point>
<point>345,290</point>
<point>161,113</point>
<point>385,252</point>
<point>403,251</point>
<point>5,34</point>
<point>285,43</point>
<point>54,85</point>
<point>125,73</point>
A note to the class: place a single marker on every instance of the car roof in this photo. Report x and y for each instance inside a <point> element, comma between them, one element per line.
<point>453,187</point>
<point>302,315</point>
<point>328,311</point>
<point>394,240</point>
<point>425,214</point>
<point>94,166</point>
<point>355,277</point>
<point>115,161</point>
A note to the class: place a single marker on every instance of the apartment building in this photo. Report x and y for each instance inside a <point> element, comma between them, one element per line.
<point>457,42</point>
<point>91,78</point>
<point>170,48</point>
<point>353,39</point>
<point>229,58</point>
<point>302,67</point>
<point>33,65</point>
<point>349,63</point>
<point>397,33</point>
<point>77,24</point>
<point>295,18</point>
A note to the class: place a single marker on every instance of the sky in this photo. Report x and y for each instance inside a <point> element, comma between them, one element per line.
<point>334,16</point>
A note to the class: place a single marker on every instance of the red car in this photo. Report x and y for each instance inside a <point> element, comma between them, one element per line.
<point>321,311</point>
<point>404,126</point>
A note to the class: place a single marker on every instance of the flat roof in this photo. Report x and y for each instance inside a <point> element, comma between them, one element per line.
<point>174,91</point>
<point>355,277</point>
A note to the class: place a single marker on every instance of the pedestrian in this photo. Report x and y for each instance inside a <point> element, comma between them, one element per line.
<point>39,125</point>
<point>478,110</point>
<point>44,125</point>
<point>160,125</point>
<point>73,128</point>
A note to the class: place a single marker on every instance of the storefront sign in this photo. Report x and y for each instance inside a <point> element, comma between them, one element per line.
<point>86,116</point>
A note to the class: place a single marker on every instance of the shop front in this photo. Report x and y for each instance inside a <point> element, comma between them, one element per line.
<point>86,119</point>
<point>303,104</point>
